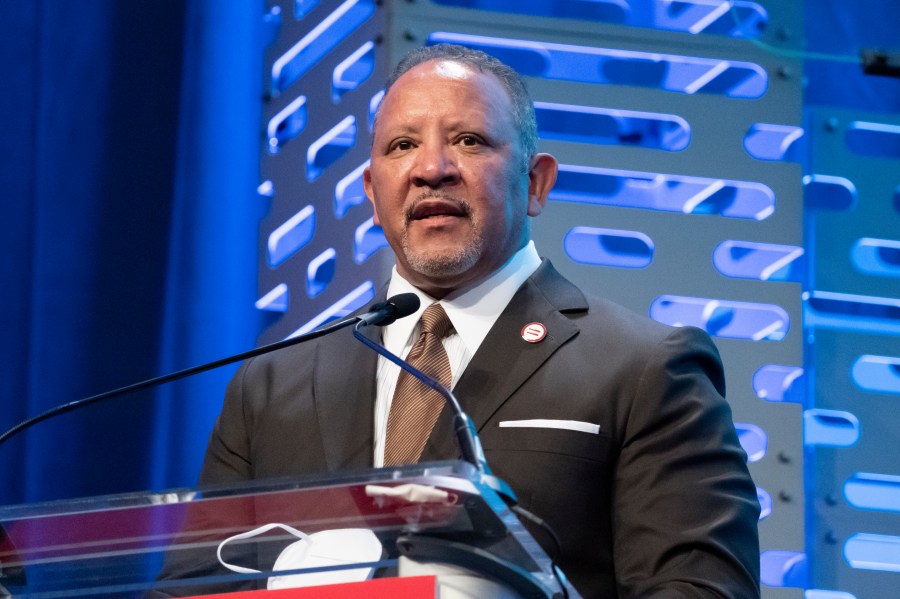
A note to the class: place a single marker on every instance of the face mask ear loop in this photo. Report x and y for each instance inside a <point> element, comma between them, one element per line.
<point>249,535</point>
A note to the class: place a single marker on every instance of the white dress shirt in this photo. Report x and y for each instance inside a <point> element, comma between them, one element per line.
<point>472,310</point>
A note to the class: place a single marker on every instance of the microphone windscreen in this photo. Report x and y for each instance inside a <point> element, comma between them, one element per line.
<point>404,304</point>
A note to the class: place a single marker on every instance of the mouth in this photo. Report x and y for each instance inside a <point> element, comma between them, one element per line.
<point>437,208</point>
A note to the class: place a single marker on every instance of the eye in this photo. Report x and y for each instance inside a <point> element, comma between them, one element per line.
<point>401,145</point>
<point>470,140</point>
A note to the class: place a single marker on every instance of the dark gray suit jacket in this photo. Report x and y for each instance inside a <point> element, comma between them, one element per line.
<point>658,504</point>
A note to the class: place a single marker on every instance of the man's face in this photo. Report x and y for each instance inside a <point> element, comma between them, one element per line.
<point>447,178</point>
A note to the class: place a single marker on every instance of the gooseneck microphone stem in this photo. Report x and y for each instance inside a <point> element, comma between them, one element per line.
<point>461,427</point>
<point>174,376</point>
<point>466,437</point>
<point>382,313</point>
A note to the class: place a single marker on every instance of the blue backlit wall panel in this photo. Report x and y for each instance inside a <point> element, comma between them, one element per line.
<point>322,69</point>
<point>853,331</point>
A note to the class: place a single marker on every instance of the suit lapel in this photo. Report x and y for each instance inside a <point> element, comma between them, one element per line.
<point>344,392</point>
<point>505,361</point>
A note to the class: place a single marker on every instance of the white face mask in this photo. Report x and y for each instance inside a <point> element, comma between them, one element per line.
<point>327,548</point>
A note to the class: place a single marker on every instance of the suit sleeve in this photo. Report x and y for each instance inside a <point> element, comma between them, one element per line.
<point>685,509</point>
<point>227,457</point>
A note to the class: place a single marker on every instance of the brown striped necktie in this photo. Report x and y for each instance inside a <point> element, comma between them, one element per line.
<point>415,407</point>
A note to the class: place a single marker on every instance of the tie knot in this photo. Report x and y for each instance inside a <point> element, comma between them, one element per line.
<point>436,321</point>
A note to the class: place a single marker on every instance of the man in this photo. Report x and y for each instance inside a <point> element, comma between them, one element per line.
<point>611,427</point>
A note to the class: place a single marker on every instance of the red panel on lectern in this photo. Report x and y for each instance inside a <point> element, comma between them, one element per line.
<point>413,587</point>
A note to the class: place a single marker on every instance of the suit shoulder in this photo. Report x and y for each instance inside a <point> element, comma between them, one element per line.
<point>601,320</point>
<point>608,315</point>
<point>611,321</point>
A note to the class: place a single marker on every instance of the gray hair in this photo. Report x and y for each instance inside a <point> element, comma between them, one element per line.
<point>522,106</point>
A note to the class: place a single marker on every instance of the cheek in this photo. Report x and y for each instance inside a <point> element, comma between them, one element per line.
<point>381,197</point>
<point>389,213</point>
<point>388,187</point>
<point>505,200</point>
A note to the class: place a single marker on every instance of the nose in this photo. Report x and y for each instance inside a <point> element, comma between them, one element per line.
<point>434,166</point>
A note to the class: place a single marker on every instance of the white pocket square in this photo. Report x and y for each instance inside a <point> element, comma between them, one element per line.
<point>572,425</point>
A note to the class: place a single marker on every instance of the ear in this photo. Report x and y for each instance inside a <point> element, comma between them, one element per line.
<point>367,186</point>
<point>541,178</point>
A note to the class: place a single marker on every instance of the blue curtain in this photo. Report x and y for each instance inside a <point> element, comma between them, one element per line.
<point>128,168</point>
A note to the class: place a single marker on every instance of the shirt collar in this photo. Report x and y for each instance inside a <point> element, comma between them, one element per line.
<point>472,310</point>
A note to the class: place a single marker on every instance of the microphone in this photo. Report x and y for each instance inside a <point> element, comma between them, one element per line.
<point>463,427</point>
<point>386,312</point>
<point>381,314</point>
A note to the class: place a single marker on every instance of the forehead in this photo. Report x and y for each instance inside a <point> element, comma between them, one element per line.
<point>449,86</point>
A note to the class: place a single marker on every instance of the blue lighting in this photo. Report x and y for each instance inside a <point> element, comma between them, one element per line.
<point>825,192</point>
<point>320,272</point>
<point>665,193</point>
<point>775,382</point>
<point>368,239</point>
<point>853,312</point>
<point>753,439</point>
<point>873,492</point>
<point>587,64</point>
<point>879,374</point>
<point>588,124</point>
<point>780,568</point>
<point>737,18</point>
<point>878,257</point>
<point>832,428</point>
<point>878,140</point>
<point>373,108</point>
<point>765,503</point>
<point>766,141</point>
<point>270,25</point>
<point>353,71</point>
<point>287,124</point>
<point>336,27</point>
<point>277,300</point>
<point>349,191</point>
<point>342,308</point>
<point>291,236</point>
<point>759,261</point>
<point>266,189</point>
<point>723,318</point>
<point>606,11</point>
<point>329,148</point>
<point>304,7</point>
<point>608,247</point>
<point>873,552</point>
<point>821,594</point>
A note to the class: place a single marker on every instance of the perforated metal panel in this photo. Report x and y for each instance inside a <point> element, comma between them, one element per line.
<point>318,256</point>
<point>853,331</point>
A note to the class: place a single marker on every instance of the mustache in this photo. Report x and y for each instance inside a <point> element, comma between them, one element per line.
<point>459,205</point>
